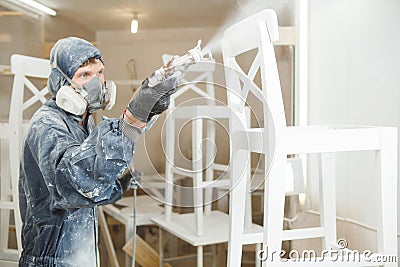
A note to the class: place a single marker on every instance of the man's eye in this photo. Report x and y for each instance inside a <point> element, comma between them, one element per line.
<point>101,72</point>
<point>84,75</point>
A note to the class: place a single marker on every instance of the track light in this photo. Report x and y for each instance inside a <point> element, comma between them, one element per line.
<point>28,7</point>
<point>134,24</point>
<point>39,7</point>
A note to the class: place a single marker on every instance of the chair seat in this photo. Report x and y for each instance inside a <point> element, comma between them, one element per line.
<point>216,227</point>
<point>331,139</point>
<point>314,139</point>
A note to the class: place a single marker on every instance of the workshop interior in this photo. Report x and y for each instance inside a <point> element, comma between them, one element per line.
<point>277,146</point>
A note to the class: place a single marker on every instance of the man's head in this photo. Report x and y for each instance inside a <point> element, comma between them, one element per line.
<point>77,77</point>
<point>66,56</point>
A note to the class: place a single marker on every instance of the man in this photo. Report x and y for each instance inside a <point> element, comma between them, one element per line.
<point>69,166</point>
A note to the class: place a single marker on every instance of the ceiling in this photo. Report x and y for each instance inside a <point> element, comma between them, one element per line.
<point>107,15</point>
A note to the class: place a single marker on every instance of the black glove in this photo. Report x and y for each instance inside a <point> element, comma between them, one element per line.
<point>150,101</point>
<point>129,180</point>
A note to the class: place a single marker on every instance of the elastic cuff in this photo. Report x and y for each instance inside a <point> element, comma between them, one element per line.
<point>129,130</point>
<point>129,118</point>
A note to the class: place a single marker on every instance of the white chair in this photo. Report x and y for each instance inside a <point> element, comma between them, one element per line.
<point>196,114</point>
<point>163,188</point>
<point>276,141</point>
<point>204,226</point>
<point>25,69</point>
<point>155,185</point>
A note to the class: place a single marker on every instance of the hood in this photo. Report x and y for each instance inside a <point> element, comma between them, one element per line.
<point>69,54</point>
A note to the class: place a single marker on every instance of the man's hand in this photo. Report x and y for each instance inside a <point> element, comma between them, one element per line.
<point>150,101</point>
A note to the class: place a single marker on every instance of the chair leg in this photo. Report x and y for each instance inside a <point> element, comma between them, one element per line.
<point>5,186</point>
<point>200,256</point>
<point>327,197</point>
<point>256,259</point>
<point>173,245</point>
<point>214,255</point>
<point>209,172</point>
<point>248,219</point>
<point>197,133</point>
<point>161,246</point>
<point>236,207</point>
<point>274,201</point>
<point>14,159</point>
<point>387,188</point>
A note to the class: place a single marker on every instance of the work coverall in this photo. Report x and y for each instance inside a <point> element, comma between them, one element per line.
<point>66,171</point>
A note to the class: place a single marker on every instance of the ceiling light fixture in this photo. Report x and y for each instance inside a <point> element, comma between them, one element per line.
<point>40,7</point>
<point>134,23</point>
<point>28,7</point>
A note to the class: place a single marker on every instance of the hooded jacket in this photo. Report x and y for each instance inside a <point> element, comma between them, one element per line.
<point>66,171</point>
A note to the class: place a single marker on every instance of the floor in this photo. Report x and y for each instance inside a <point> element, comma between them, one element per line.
<point>151,233</point>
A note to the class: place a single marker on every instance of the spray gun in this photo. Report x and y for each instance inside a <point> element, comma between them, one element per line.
<point>193,56</point>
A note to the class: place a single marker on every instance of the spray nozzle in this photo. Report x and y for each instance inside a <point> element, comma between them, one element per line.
<point>193,56</point>
<point>196,52</point>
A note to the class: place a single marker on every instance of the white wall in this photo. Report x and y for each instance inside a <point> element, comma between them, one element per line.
<point>58,27</point>
<point>18,35</point>
<point>27,36</point>
<point>354,79</point>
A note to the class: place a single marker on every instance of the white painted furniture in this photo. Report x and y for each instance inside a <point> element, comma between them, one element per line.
<point>195,114</point>
<point>25,69</point>
<point>204,226</point>
<point>165,188</point>
<point>276,141</point>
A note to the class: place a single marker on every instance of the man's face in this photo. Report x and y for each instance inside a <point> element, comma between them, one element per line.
<point>85,73</point>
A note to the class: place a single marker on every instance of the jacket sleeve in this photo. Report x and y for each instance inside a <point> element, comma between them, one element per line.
<point>81,174</point>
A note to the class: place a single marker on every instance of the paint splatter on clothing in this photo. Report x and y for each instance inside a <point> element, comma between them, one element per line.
<point>66,171</point>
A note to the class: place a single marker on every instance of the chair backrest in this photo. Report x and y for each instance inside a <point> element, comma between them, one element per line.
<point>257,32</point>
<point>254,34</point>
<point>24,68</point>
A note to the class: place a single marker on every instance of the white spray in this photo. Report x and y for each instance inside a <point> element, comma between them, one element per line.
<point>245,8</point>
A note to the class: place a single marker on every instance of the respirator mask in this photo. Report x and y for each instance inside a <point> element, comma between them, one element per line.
<point>91,96</point>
